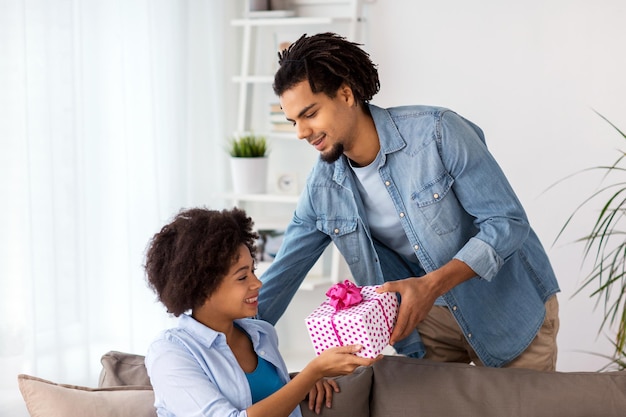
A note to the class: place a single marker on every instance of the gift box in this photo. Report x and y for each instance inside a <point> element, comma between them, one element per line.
<point>353,315</point>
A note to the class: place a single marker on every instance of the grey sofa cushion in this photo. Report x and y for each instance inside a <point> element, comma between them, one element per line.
<point>119,368</point>
<point>413,387</point>
<point>353,398</point>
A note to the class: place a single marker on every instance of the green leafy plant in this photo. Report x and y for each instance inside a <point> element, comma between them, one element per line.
<point>605,245</point>
<point>248,146</point>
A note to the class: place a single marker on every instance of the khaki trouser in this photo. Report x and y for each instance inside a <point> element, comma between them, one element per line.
<point>445,341</point>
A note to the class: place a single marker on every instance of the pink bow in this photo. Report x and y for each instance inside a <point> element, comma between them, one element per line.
<point>344,294</point>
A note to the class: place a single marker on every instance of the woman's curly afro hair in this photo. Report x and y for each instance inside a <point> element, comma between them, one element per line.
<point>327,61</point>
<point>187,260</point>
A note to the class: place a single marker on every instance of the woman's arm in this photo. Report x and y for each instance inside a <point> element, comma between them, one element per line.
<point>332,362</point>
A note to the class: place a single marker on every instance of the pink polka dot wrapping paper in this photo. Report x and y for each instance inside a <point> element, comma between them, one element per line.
<point>368,323</point>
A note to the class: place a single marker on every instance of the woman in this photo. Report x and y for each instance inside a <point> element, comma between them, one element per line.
<point>219,361</point>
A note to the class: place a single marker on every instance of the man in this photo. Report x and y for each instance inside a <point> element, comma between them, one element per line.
<point>414,201</point>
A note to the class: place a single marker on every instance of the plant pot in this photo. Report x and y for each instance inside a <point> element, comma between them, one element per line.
<point>249,175</point>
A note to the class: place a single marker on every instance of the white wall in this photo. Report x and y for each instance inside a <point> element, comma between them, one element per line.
<point>529,73</point>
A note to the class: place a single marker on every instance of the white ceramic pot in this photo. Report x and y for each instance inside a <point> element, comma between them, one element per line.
<point>249,175</point>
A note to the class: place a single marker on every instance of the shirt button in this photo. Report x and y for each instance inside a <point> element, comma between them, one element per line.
<point>436,196</point>
<point>416,247</point>
<point>453,308</point>
<point>401,215</point>
<point>336,231</point>
<point>469,335</point>
<point>262,353</point>
<point>387,183</point>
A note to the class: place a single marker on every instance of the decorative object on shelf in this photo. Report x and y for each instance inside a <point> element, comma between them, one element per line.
<point>353,315</point>
<point>287,183</point>
<point>269,9</point>
<point>606,245</point>
<point>249,164</point>
<point>258,5</point>
<point>268,244</point>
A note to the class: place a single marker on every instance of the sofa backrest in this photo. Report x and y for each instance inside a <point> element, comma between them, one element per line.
<point>414,387</point>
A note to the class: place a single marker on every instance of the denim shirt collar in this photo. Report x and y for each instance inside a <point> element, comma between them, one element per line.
<point>388,136</point>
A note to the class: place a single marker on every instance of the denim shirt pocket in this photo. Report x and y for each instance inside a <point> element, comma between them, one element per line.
<point>342,231</point>
<point>438,205</point>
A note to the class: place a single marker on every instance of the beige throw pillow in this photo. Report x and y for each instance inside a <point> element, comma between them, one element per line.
<point>47,399</point>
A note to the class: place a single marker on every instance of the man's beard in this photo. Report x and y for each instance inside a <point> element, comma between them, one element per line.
<point>333,154</point>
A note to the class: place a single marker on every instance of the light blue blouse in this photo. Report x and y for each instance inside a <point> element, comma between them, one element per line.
<point>194,372</point>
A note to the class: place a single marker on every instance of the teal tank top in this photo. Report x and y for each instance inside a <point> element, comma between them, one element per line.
<point>264,380</point>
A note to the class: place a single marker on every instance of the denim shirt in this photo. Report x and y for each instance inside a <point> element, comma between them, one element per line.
<point>453,201</point>
<point>194,372</point>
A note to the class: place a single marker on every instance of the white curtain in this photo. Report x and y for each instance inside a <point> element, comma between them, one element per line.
<point>110,115</point>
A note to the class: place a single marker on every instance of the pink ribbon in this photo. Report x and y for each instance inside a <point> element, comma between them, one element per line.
<point>344,295</point>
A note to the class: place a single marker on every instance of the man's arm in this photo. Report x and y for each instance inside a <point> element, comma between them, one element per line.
<point>302,246</point>
<point>418,295</point>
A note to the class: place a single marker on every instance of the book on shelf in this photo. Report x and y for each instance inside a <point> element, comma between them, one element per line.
<point>283,127</point>
<point>278,121</point>
<point>275,108</point>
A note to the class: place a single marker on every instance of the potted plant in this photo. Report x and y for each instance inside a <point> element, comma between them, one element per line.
<point>605,246</point>
<point>249,163</point>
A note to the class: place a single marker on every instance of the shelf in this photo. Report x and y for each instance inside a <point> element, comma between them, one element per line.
<point>264,198</point>
<point>254,79</point>
<point>284,135</point>
<point>273,210</point>
<point>289,21</point>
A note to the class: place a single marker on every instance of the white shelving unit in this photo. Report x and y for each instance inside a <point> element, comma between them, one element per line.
<point>259,48</point>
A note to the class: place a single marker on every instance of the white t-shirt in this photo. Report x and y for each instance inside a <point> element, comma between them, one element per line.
<point>379,210</point>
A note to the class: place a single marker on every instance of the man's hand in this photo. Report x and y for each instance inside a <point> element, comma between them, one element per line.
<point>418,295</point>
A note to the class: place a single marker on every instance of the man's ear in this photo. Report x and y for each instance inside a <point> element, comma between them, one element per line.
<point>346,95</point>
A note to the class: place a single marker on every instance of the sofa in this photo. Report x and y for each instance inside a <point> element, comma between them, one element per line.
<point>393,386</point>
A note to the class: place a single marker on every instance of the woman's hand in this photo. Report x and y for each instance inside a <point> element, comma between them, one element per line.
<point>322,394</point>
<point>340,360</point>
<point>334,361</point>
